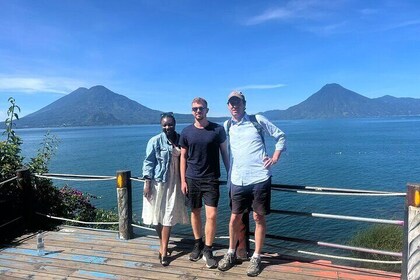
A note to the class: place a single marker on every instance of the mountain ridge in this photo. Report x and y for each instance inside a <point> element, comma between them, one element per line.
<point>99,106</point>
<point>95,106</point>
<point>334,101</point>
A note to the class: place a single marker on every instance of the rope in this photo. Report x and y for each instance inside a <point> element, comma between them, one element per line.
<point>227,237</point>
<point>320,189</point>
<point>342,193</point>
<point>8,180</point>
<point>322,255</point>
<point>333,245</point>
<point>138,179</point>
<point>76,221</point>
<point>143,227</point>
<point>9,222</point>
<point>332,256</point>
<point>348,258</point>
<point>339,217</point>
<point>72,177</point>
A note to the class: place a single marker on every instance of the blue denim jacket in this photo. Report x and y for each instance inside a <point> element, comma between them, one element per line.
<point>158,157</point>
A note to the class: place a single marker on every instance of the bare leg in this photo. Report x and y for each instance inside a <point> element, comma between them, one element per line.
<point>260,229</point>
<point>166,233</point>
<point>210,227</point>
<point>196,222</point>
<point>234,228</point>
<point>158,229</point>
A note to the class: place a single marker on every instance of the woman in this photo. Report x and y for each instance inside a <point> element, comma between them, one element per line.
<point>163,201</point>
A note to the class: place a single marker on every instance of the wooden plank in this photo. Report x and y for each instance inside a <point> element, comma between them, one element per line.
<point>188,268</point>
<point>18,273</point>
<point>79,270</point>
<point>85,254</point>
<point>123,259</point>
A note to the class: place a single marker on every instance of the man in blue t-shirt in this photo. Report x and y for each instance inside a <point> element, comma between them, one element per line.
<point>200,171</point>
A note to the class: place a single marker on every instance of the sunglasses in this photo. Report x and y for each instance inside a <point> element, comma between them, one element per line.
<point>234,101</point>
<point>167,114</point>
<point>195,109</point>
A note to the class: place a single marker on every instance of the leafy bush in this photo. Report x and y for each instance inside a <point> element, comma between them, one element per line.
<point>106,216</point>
<point>381,237</point>
<point>62,202</point>
<point>77,205</point>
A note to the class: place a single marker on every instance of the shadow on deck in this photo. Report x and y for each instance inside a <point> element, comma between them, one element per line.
<point>75,253</point>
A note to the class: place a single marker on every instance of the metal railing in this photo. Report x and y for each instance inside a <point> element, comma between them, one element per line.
<point>336,191</point>
<point>409,255</point>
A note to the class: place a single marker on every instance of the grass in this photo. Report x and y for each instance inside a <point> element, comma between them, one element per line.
<point>380,237</point>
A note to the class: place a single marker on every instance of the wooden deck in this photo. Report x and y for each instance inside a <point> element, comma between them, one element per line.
<point>74,253</point>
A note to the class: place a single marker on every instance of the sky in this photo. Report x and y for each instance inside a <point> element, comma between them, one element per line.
<point>162,54</point>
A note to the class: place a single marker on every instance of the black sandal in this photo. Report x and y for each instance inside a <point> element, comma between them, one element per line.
<point>163,260</point>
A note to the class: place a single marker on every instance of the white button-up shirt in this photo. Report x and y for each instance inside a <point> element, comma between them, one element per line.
<point>247,150</point>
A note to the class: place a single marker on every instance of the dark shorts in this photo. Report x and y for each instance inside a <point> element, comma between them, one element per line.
<point>203,189</point>
<point>256,197</point>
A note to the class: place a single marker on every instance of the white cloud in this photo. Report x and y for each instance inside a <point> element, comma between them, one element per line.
<point>261,86</point>
<point>270,15</point>
<point>404,24</point>
<point>33,85</point>
<point>303,9</point>
<point>328,29</point>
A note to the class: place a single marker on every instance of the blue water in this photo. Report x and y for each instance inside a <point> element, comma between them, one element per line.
<point>377,154</point>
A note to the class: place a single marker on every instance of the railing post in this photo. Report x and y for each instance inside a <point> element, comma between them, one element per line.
<point>243,249</point>
<point>411,250</point>
<point>124,205</point>
<point>24,183</point>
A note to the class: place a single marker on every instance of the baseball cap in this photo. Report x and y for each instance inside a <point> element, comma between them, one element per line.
<point>237,94</point>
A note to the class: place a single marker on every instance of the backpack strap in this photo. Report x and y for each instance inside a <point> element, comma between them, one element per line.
<point>228,125</point>
<point>255,123</point>
<point>258,126</point>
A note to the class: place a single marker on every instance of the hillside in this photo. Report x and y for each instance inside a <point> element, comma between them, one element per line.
<point>95,106</point>
<point>99,106</point>
<point>334,101</point>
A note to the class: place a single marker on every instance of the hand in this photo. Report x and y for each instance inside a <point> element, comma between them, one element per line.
<point>268,161</point>
<point>147,190</point>
<point>184,188</point>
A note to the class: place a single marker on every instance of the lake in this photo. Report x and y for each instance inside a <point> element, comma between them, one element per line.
<point>375,154</point>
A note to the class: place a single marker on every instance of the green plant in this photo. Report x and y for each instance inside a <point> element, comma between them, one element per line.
<point>103,215</point>
<point>63,202</point>
<point>39,164</point>
<point>10,158</point>
<point>381,237</point>
<point>11,113</point>
<point>76,205</point>
<point>10,161</point>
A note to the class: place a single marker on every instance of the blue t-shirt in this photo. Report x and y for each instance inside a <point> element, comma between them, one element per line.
<point>203,150</point>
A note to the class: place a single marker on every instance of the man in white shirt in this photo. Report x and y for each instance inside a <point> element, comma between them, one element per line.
<point>250,175</point>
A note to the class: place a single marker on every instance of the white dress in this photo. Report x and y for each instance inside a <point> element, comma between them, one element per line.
<point>167,205</point>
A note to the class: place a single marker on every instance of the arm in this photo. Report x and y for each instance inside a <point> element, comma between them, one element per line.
<point>277,134</point>
<point>273,160</point>
<point>225,155</point>
<point>147,191</point>
<point>183,170</point>
<point>149,164</point>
